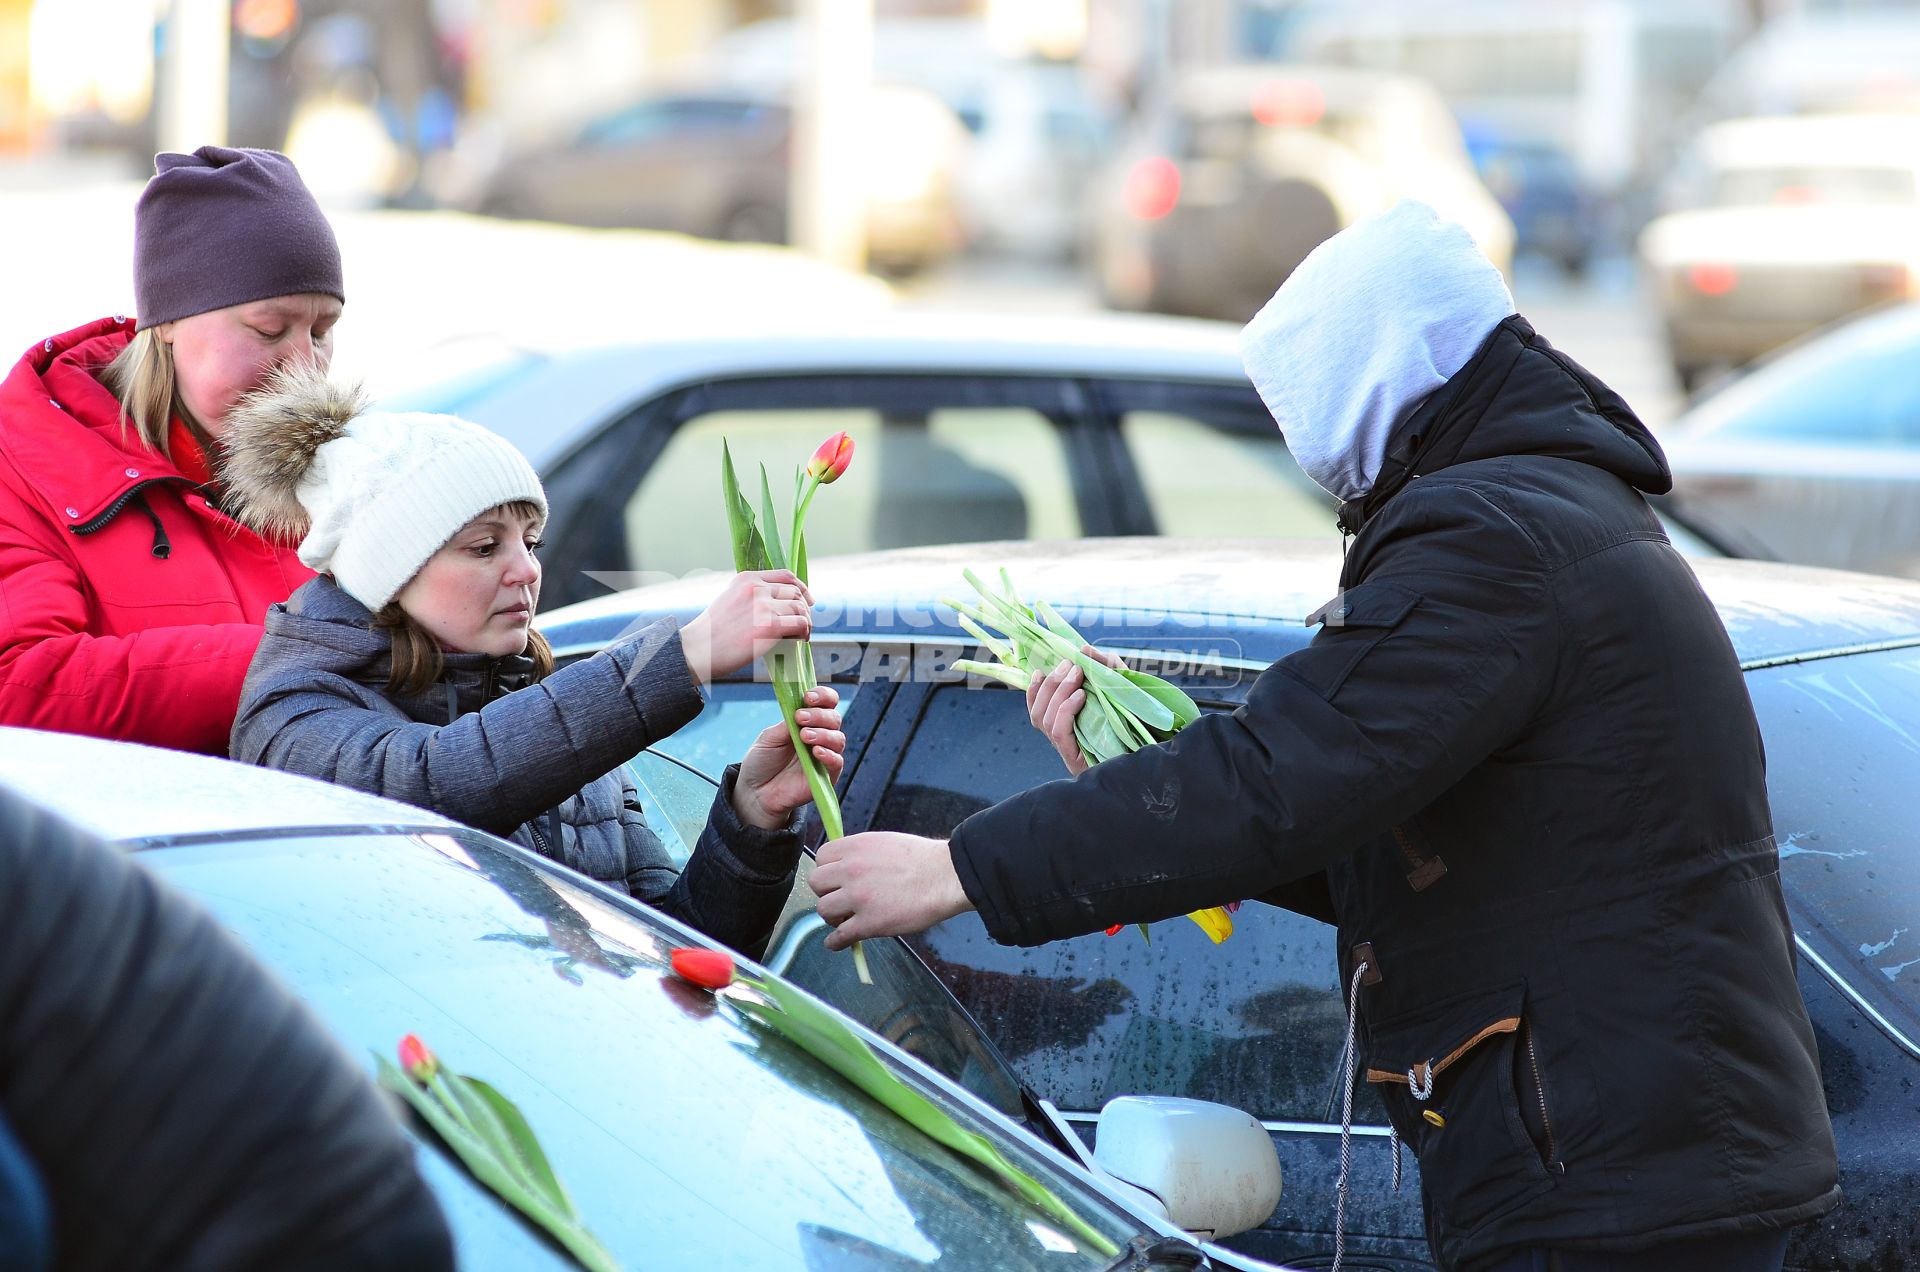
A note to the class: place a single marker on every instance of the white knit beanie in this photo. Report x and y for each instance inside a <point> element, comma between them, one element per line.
<point>371,495</point>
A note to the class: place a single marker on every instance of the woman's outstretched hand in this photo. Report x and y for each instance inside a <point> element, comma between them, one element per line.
<point>757,610</point>
<point>771,783</point>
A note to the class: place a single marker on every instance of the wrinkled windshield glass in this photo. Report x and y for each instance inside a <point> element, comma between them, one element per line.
<point>1843,746</point>
<point>689,1135</point>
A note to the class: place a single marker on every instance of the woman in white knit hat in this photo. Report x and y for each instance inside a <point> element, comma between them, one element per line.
<point>394,671</point>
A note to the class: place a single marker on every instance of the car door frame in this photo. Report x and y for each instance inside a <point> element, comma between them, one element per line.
<point>594,482</point>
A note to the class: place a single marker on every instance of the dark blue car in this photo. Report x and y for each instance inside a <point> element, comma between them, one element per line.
<point>1833,666</point>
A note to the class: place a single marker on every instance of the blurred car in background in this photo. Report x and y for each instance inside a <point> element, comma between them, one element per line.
<point>1236,173</point>
<point>688,1131</point>
<point>965,428</point>
<point>1788,224</point>
<point>1815,454</point>
<point>1832,662</point>
<point>1806,60</point>
<point>713,161</point>
<point>1037,133</point>
<point>1553,213</point>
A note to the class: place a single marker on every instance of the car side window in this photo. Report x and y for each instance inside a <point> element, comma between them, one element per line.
<point>939,474</point>
<point>1256,1022</point>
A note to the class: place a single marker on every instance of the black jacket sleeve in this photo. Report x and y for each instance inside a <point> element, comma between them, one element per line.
<point>1439,653</point>
<point>183,1109</point>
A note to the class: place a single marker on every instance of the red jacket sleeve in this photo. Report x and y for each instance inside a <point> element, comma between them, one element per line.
<point>168,686</point>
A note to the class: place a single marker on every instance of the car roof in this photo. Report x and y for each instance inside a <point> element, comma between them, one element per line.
<point>129,793</point>
<point>1773,612</point>
<point>557,398</point>
<point>1229,90</point>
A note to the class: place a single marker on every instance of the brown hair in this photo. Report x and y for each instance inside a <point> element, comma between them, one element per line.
<point>417,661</point>
<point>142,377</point>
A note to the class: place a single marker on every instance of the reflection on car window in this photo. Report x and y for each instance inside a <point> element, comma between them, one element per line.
<point>1855,385</point>
<point>675,799</point>
<point>1256,1022</point>
<point>945,475</point>
<point>1202,480</point>
<point>736,713</point>
<point>1843,744</point>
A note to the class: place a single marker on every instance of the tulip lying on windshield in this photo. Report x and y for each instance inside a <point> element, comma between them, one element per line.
<point>416,1059</point>
<point>709,969</point>
<point>1124,711</point>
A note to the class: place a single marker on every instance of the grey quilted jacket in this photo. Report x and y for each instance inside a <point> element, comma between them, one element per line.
<point>538,763</point>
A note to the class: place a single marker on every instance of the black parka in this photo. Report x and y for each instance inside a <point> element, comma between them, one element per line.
<point>1518,767</point>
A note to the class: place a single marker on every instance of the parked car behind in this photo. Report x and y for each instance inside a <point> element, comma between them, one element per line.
<point>1815,455</point>
<point>1785,224</point>
<point>713,161</point>
<point>1833,666</point>
<point>1236,173</point>
<point>965,429</point>
<point>689,1133</point>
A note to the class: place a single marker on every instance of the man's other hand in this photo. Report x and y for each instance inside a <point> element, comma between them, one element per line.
<point>883,883</point>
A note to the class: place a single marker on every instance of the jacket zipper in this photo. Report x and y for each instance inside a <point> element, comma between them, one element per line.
<point>126,497</point>
<point>1540,1091</point>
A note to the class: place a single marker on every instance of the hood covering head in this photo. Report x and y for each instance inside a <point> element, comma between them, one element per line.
<point>370,495</point>
<point>1372,322</point>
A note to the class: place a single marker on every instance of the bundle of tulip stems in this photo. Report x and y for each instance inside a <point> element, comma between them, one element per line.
<point>757,545</point>
<point>1125,709</point>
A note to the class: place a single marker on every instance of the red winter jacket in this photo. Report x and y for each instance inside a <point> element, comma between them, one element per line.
<point>129,605</point>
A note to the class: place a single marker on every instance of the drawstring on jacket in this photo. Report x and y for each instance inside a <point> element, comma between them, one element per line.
<point>162,546</point>
<point>1349,1062</point>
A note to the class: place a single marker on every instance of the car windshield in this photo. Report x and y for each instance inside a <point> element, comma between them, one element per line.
<point>1843,744</point>
<point>1854,384</point>
<point>689,1134</point>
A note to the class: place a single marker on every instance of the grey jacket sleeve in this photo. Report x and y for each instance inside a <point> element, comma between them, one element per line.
<point>734,884</point>
<point>1447,648</point>
<point>495,768</point>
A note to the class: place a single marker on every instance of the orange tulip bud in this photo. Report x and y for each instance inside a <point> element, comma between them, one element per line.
<point>417,1060</point>
<point>709,969</point>
<point>831,459</point>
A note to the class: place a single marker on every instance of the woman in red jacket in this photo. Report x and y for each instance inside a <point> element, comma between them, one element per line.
<point>130,604</point>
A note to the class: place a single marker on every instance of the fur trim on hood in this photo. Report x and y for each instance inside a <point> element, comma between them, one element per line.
<point>273,435</point>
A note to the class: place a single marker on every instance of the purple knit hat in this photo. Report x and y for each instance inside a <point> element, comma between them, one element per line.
<point>223,227</point>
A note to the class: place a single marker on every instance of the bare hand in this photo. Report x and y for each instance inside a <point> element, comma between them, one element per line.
<point>1054,701</point>
<point>771,783</point>
<point>884,883</point>
<point>757,610</point>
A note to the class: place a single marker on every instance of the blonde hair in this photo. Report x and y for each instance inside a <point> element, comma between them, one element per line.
<point>142,377</point>
<point>417,661</point>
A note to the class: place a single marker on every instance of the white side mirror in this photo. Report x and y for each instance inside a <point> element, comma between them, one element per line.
<point>1211,1166</point>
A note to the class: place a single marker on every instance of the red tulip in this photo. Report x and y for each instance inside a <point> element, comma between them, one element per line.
<point>709,969</point>
<point>417,1060</point>
<point>831,459</point>
<point>1115,929</point>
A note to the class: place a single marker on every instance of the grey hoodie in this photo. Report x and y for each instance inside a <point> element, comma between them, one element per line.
<point>522,762</point>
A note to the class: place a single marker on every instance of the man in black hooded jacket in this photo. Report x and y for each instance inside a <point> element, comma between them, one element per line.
<point>1517,767</point>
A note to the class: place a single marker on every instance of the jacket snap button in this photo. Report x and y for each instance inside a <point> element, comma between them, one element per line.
<point>73,512</point>
<point>120,318</point>
<point>48,346</point>
<point>133,472</point>
<point>55,405</point>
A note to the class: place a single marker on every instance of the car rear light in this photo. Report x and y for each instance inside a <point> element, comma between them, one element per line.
<point>1289,103</point>
<point>1884,280</point>
<point>1153,188</point>
<point>1712,280</point>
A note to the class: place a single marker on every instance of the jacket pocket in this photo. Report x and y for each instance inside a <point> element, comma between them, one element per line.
<point>1350,624</point>
<point>1447,1074</point>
